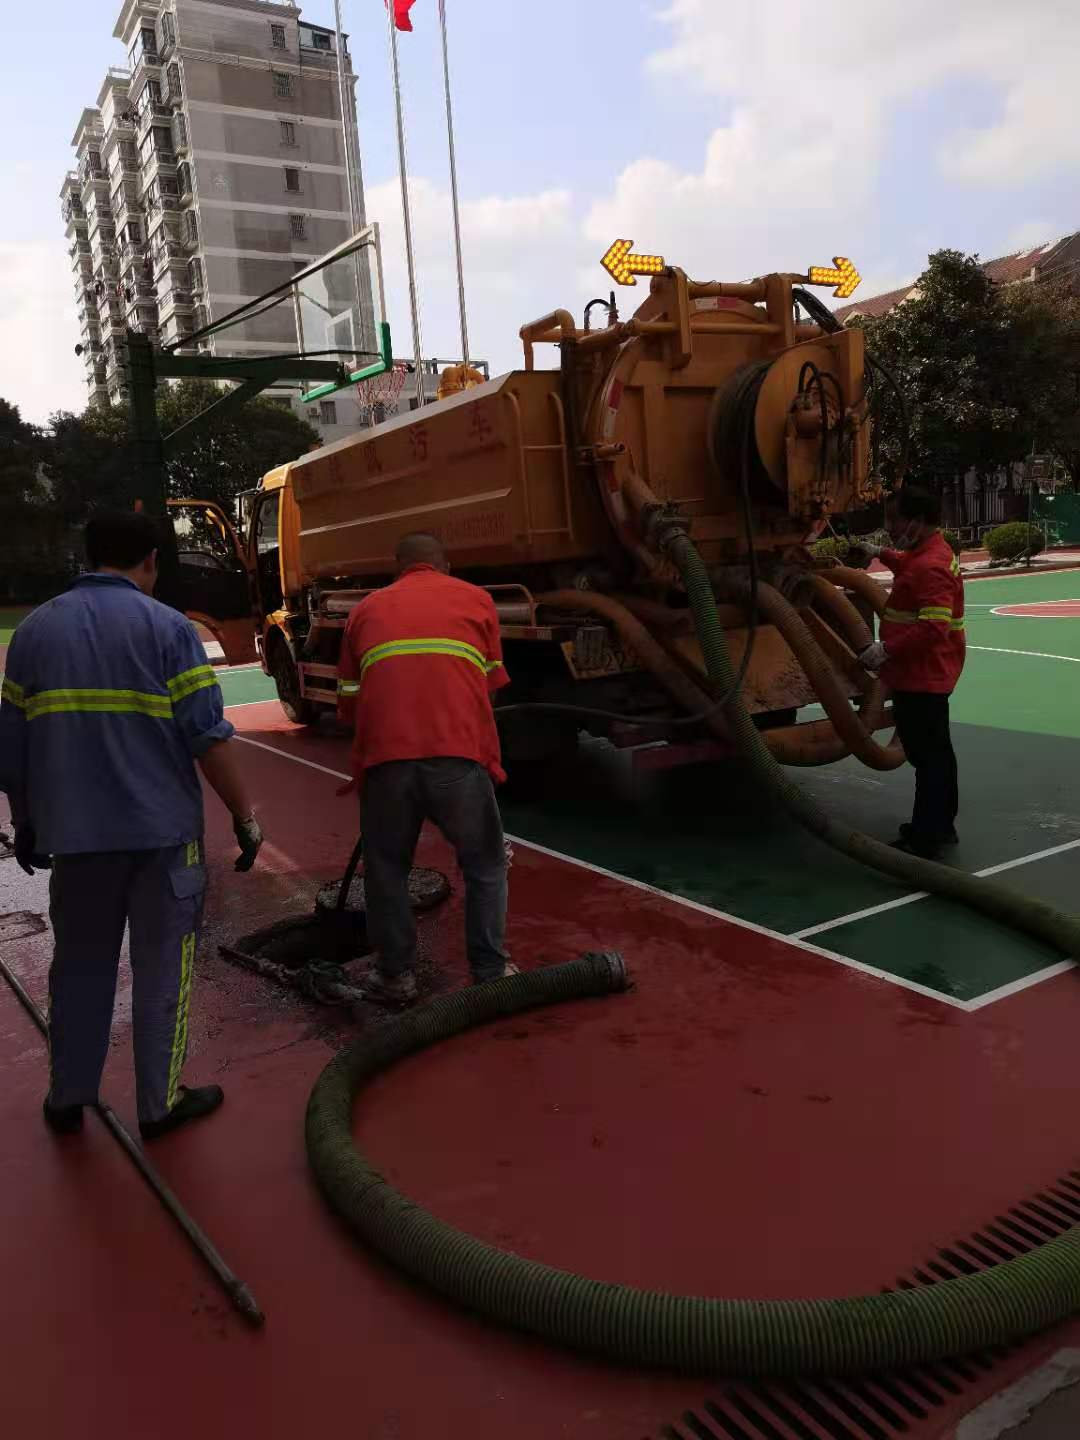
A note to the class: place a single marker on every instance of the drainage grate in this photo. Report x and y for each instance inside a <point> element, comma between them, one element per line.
<point>880,1407</point>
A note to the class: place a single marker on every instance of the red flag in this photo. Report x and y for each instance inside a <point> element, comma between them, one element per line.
<point>401,13</point>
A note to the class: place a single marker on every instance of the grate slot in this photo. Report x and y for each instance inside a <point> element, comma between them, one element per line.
<point>1055,1212</point>
<point>957,1261</point>
<point>880,1408</point>
<point>1025,1234</point>
<point>838,1396</point>
<point>943,1272</point>
<point>832,1424</point>
<point>761,1423</point>
<point>1029,1216</point>
<point>921,1387</point>
<point>797,1427</point>
<point>731,1427</point>
<point>993,1246</point>
<point>891,1385</point>
<point>697,1426</point>
<point>984,1260</point>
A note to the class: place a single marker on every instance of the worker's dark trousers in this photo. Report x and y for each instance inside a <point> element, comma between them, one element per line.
<point>922,721</point>
<point>159,895</point>
<point>458,797</point>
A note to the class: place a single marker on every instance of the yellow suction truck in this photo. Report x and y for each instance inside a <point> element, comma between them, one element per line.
<point>714,409</point>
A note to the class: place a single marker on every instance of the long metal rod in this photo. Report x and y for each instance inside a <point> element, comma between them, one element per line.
<point>406,212</point>
<point>454,187</point>
<point>241,1297</point>
<point>355,216</point>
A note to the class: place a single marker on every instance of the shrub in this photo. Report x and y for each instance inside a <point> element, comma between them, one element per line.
<point>832,547</point>
<point>1015,540</point>
<point>952,540</point>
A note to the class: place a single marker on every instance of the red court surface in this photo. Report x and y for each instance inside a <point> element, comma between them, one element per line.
<point>752,1119</point>
<point>1047,610</point>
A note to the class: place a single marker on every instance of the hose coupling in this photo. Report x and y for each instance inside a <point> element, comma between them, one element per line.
<point>662,525</point>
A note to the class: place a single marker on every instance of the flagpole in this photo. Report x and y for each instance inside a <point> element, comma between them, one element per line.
<point>454,187</point>
<point>356,218</point>
<point>406,211</point>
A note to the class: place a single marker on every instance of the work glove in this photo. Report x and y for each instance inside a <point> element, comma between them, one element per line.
<point>26,853</point>
<point>249,837</point>
<point>861,552</point>
<point>873,657</point>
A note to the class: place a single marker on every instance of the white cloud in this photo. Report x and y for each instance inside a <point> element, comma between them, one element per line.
<point>517,249</point>
<point>38,369</point>
<point>797,77</point>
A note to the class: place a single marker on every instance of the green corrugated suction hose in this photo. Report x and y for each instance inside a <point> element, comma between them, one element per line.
<point>645,1327</point>
<point>999,902</point>
<point>745,1337</point>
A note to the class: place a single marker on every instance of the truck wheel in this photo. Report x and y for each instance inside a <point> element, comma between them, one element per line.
<point>286,678</point>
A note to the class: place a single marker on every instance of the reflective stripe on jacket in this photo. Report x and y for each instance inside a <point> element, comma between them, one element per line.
<point>106,702</point>
<point>923,623</point>
<point>419,662</point>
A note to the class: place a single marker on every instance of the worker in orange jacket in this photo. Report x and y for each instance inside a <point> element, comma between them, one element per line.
<point>420,662</point>
<point>919,657</point>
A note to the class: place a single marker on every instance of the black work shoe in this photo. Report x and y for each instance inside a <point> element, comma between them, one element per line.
<point>63,1119</point>
<point>949,838</point>
<point>394,990</point>
<point>192,1105</point>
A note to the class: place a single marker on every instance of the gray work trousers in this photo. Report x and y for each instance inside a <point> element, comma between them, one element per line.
<point>458,797</point>
<point>159,895</point>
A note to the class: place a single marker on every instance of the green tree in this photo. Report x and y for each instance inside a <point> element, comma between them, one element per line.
<point>230,454</point>
<point>950,351</point>
<point>90,462</point>
<point>1044,325</point>
<point>33,561</point>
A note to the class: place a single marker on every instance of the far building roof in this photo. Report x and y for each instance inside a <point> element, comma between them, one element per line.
<point>1033,263</point>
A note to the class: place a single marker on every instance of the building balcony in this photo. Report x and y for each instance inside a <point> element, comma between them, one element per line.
<point>80,245</point>
<point>150,113</point>
<point>83,269</point>
<point>73,214</point>
<point>93,179</point>
<point>167,252</point>
<point>175,302</point>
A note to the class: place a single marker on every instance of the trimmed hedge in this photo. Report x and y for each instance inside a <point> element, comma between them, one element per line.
<point>1015,541</point>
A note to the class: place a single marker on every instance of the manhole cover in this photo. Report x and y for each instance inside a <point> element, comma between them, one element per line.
<point>427,888</point>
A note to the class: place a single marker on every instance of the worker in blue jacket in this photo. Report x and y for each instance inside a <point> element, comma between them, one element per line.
<point>107,704</point>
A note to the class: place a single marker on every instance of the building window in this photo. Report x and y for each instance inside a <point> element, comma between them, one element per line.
<point>282,84</point>
<point>288,132</point>
<point>180,135</point>
<point>168,30</point>
<point>191,227</point>
<point>327,412</point>
<point>195,274</point>
<point>292,179</point>
<point>298,226</point>
<point>277,37</point>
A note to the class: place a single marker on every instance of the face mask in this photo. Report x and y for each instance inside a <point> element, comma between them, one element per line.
<point>908,537</point>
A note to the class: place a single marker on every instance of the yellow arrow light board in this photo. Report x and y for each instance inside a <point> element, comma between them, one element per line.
<point>622,266</point>
<point>841,273</point>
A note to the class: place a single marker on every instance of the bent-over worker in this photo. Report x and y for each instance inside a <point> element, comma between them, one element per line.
<point>920,656</point>
<point>107,704</point>
<point>419,663</point>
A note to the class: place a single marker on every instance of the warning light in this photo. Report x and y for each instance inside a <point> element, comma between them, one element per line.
<point>622,266</point>
<point>841,273</point>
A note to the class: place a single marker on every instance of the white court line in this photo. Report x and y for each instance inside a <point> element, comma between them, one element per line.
<point>243,704</point>
<point>793,941</point>
<point>1025,983</point>
<point>1038,654</point>
<point>924,895</point>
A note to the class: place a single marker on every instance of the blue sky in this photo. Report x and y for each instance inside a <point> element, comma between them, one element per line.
<point>735,137</point>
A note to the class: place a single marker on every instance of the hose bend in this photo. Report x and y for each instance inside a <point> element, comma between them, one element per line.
<point>1021,912</point>
<point>692,1334</point>
<point>852,733</point>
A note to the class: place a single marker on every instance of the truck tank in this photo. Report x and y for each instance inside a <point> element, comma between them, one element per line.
<point>712,408</point>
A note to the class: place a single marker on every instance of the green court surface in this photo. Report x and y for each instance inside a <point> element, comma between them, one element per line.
<point>10,616</point>
<point>705,833</point>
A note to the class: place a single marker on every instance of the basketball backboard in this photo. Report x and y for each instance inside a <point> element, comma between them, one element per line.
<point>338,314</point>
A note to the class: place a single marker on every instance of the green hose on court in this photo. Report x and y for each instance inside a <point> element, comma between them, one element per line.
<point>644,1327</point>
<point>999,902</point>
<point>768,1338</point>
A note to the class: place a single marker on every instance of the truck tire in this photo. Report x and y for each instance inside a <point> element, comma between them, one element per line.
<point>286,679</point>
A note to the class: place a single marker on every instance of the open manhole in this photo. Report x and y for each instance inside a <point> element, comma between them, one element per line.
<point>309,953</point>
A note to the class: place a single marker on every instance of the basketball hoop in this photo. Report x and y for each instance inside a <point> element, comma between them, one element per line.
<point>379,396</point>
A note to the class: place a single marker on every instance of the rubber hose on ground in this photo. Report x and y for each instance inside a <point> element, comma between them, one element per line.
<point>696,1335</point>
<point>1009,907</point>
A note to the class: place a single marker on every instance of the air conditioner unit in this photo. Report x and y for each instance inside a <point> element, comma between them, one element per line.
<point>313,412</point>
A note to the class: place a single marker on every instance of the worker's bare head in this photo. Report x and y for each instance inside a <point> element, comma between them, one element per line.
<point>911,515</point>
<point>419,548</point>
<point>124,542</point>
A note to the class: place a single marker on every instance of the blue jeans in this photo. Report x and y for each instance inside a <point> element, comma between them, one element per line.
<point>458,797</point>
